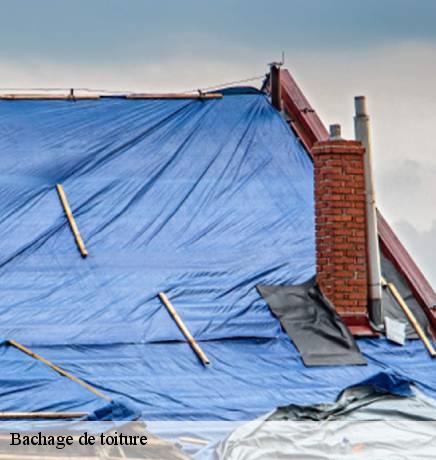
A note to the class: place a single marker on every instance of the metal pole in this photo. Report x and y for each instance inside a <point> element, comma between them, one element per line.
<point>276,90</point>
<point>363,134</point>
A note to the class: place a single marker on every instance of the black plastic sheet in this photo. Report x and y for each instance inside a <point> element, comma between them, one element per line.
<point>313,325</point>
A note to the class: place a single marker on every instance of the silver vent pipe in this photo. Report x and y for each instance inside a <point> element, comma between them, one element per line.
<point>363,134</point>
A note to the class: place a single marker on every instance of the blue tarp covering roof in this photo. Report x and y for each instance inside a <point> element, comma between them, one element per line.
<point>200,199</point>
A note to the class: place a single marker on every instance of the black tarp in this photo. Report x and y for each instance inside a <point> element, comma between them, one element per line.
<point>313,324</point>
<point>363,403</point>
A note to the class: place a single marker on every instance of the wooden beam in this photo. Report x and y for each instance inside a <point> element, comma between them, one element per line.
<point>45,97</point>
<point>60,97</point>
<point>410,316</point>
<point>58,369</point>
<point>71,220</point>
<point>41,415</point>
<point>175,96</point>
<point>172,311</point>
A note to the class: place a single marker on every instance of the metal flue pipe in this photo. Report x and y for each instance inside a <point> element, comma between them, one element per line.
<point>276,90</point>
<point>363,134</point>
<point>335,132</point>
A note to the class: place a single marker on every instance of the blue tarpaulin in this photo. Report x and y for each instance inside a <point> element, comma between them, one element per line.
<point>202,199</point>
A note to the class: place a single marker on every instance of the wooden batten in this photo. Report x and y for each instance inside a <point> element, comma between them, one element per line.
<point>84,97</point>
<point>410,316</point>
<point>194,345</point>
<point>176,96</point>
<point>41,415</point>
<point>46,97</point>
<point>74,228</point>
<point>58,369</point>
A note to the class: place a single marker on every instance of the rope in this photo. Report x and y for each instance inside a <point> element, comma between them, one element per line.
<point>226,84</point>
<point>122,92</point>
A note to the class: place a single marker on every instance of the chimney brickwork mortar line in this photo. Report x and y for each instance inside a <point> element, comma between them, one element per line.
<point>340,224</point>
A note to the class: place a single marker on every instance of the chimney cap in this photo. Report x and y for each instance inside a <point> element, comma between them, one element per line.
<point>360,105</point>
<point>335,132</point>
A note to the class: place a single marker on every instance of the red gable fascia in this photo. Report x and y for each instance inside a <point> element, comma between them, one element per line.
<point>303,118</point>
<point>310,129</point>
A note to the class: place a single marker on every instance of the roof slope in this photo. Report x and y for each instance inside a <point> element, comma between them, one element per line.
<point>200,199</point>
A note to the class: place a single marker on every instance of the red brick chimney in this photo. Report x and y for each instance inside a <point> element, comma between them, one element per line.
<point>340,223</point>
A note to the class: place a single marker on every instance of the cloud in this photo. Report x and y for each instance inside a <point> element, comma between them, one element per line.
<point>407,190</point>
<point>399,84</point>
<point>422,244</point>
<point>179,73</point>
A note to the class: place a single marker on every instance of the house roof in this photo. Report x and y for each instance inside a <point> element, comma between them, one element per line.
<point>201,199</point>
<point>310,129</point>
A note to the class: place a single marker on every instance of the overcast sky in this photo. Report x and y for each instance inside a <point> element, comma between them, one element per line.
<point>336,49</point>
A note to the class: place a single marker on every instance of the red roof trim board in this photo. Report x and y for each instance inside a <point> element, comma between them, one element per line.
<point>310,129</point>
<point>303,117</point>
